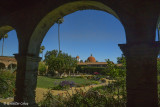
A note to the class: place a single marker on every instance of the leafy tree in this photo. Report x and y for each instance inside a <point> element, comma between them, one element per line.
<point>111,69</point>
<point>120,59</point>
<point>42,48</point>
<point>81,61</point>
<point>42,68</point>
<point>61,62</point>
<point>49,54</point>
<point>59,21</point>
<point>3,37</point>
<point>69,62</point>
<point>115,71</point>
<point>122,69</point>
<point>56,64</point>
<point>86,61</point>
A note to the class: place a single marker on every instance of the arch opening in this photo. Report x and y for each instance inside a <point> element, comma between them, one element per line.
<point>95,29</point>
<point>78,47</point>
<point>158,30</point>
<point>2,66</point>
<point>5,29</point>
<point>9,47</point>
<point>50,19</point>
<point>8,34</point>
<point>12,66</point>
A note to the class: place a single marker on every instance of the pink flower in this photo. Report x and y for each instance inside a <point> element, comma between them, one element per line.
<point>96,73</point>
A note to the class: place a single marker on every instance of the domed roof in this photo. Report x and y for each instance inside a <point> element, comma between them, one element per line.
<point>77,57</point>
<point>91,59</point>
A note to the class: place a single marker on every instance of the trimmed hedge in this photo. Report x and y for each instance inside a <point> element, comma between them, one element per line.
<point>90,70</point>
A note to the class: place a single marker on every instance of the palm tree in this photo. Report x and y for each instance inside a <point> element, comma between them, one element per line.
<point>41,50</point>
<point>59,21</point>
<point>158,27</point>
<point>3,37</point>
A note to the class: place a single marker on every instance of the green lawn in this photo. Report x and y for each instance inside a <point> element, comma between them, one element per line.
<point>48,82</point>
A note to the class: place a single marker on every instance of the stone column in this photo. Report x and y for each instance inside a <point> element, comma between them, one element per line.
<point>26,79</point>
<point>141,76</point>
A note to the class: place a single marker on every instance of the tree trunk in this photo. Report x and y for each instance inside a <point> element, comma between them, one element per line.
<point>2,46</point>
<point>59,35</point>
<point>42,55</point>
<point>158,34</point>
<point>60,74</point>
<point>69,73</point>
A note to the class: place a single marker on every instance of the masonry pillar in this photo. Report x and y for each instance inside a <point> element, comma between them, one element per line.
<point>141,77</point>
<point>26,79</point>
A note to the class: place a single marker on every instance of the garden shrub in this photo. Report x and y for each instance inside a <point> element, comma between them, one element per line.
<point>64,85</point>
<point>50,100</point>
<point>80,68</point>
<point>42,68</point>
<point>7,83</point>
<point>81,99</point>
<point>91,70</point>
<point>103,80</point>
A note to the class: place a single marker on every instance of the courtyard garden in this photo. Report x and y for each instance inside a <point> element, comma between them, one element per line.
<point>64,83</point>
<point>104,88</point>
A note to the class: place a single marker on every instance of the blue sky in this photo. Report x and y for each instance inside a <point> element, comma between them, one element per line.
<point>82,33</point>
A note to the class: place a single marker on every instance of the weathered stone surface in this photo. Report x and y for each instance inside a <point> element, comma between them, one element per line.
<point>26,79</point>
<point>141,74</point>
<point>7,60</point>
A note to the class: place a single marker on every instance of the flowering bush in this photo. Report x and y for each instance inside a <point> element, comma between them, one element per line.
<point>96,73</point>
<point>64,85</point>
<point>67,83</point>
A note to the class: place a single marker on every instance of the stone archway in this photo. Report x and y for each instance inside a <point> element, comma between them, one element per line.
<point>139,19</point>
<point>6,59</point>
<point>5,29</point>
<point>138,47</point>
<point>12,66</point>
<point>48,20</point>
<point>2,66</point>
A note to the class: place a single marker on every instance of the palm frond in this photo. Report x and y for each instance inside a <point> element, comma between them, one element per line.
<point>6,35</point>
<point>60,20</point>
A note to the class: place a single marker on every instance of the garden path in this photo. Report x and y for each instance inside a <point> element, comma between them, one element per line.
<point>41,91</point>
